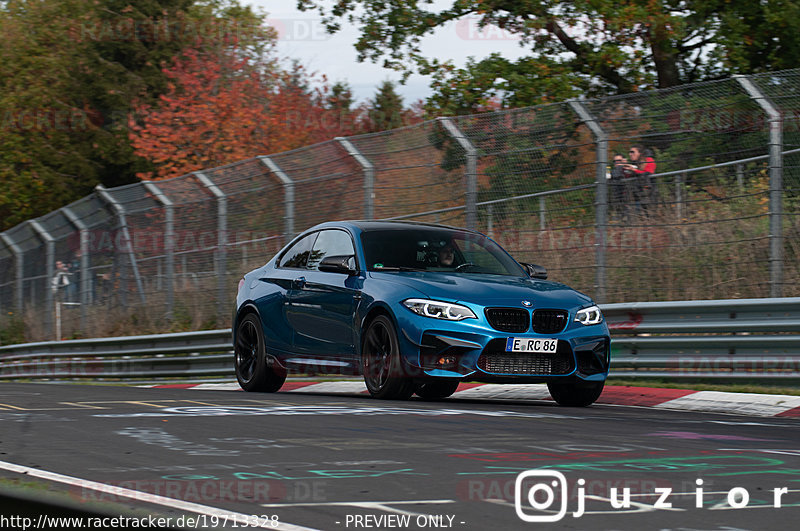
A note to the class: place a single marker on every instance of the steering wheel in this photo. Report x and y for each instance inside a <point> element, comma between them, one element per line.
<point>462,266</point>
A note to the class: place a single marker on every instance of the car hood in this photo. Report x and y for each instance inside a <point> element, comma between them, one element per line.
<point>488,290</point>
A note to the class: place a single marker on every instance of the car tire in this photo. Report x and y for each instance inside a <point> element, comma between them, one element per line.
<point>575,394</point>
<point>436,389</point>
<point>380,362</point>
<point>250,360</point>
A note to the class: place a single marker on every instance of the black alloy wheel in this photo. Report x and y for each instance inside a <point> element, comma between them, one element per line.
<point>380,362</point>
<point>250,361</point>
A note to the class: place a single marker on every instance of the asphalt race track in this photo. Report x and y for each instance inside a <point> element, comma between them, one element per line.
<point>350,462</point>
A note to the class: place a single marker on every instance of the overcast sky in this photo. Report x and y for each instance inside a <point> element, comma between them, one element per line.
<point>302,36</point>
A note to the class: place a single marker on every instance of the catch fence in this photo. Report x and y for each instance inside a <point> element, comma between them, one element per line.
<point>720,219</point>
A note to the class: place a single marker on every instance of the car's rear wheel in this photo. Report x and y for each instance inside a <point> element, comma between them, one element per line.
<point>380,362</point>
<point>575,394</point>
<point>436,389</point>
<point>252,370</point>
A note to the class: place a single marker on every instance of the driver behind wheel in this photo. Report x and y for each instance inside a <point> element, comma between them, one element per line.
<point>447,256</point>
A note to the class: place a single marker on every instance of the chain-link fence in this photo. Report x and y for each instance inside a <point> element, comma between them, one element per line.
<point>718,217</point>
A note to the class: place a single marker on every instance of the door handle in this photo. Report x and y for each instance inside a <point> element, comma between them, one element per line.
<point>299,282</point>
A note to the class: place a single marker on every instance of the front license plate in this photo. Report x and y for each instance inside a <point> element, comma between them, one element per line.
<point>530,344</point>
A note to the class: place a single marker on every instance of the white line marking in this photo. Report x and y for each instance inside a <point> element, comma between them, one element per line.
<point>737,403</point>
<point>380,506</point>
<point>155,499</point>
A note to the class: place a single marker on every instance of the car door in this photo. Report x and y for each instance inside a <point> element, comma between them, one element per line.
<point>322,304</point>
<point>277,285</point>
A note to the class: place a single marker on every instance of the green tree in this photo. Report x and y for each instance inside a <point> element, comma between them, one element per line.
<point>589,47</point>
<point>340,98</point>
<point>386,109</point>
<point>70,71</point>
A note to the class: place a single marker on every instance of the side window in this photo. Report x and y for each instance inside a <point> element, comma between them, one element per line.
<point>297,255</point>
<point>331,243</point>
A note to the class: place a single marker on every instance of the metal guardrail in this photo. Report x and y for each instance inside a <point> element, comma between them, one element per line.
<point>179,355</point>
<point>733,338</point>
<point>736,338</point>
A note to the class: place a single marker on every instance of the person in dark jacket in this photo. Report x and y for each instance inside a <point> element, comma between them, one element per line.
<point>641,166</point>
<point>618,187</point>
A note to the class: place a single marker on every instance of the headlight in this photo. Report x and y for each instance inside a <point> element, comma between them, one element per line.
<point>439,310</point>
<point>589,316</point>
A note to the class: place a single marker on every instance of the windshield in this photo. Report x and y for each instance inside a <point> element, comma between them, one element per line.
<point>435,249</point>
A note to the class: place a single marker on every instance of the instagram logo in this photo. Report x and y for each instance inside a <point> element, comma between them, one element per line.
<point>542,489</point>
<point>539,486</point>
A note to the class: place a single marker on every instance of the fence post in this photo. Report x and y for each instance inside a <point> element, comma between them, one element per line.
<point>169,242</point>
<point>542,214</point>
<point>86,282</point>
<point>775,183</point>
<point>222,239</point>
<point>119,210</point>
<point>288,197</point>
<point>601,211</point>
<point>19,263</point>
<point>50,272</point>
<point>471,172</point>
<point>740,177</point>
<point>369,176</point>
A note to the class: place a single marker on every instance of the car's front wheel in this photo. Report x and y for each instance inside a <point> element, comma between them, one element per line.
<point>380,362</point>
<point>436,389</point>
<point>252,370</point>
<point>575,394</point>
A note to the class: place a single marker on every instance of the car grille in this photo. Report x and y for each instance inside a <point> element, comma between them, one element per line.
<point>495,360</point>
<point>549,321</point>
<point>508,319</point>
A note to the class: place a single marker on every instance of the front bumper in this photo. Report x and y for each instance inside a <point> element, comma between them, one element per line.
<point>473,350</point>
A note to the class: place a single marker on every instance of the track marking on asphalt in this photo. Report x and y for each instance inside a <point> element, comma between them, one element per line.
<point>201,403</point>
<point>9,406</point>
<point>256,401</point>
<point>725,403</point>
<point>137,403</point>
<point>155,404</point>
<point>385,506</point>
<point>155,499</point>
<point>81,405</point>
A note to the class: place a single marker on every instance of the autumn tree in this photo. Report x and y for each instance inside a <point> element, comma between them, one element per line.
<point>69,70</point>
<point>589,47</point>
<point>224,107</point>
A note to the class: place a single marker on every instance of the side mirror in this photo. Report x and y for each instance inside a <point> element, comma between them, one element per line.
<point>338,264</point>
<point>535,271</point>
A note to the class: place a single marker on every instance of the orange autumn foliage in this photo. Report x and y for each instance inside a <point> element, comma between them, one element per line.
<point>221,108</point>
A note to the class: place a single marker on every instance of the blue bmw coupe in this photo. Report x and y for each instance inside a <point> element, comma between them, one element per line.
<point>415,308</point>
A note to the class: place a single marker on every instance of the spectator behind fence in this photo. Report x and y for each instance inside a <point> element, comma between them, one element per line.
<point>61,279</point>
<point>619,196</point>
<point>642,165</point>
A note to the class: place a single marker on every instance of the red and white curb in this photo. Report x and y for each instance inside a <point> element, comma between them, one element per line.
<point>752,404</point>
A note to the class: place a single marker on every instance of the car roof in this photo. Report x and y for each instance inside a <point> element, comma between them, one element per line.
<point>380,224</point>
